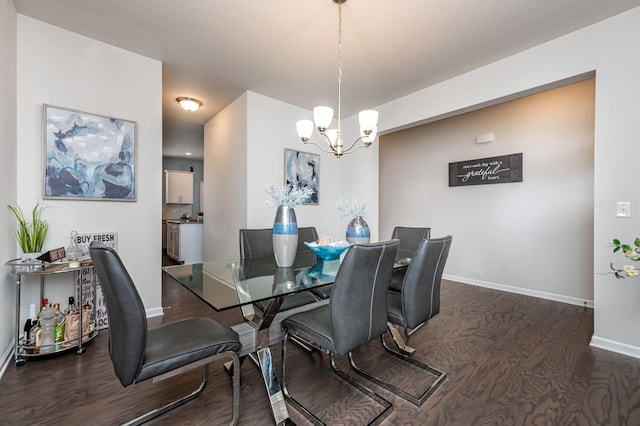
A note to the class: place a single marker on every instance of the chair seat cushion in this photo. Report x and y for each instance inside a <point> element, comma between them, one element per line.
<point>313,325</point>
<point>397,279</point>
<point>394,309</point>
<point>180,343</point>
<point>290,302</point>
<point>323,292</point>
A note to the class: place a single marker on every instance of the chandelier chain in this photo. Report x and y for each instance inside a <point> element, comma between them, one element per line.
<point>339,62</point>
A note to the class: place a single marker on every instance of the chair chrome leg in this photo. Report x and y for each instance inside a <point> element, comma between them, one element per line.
<point>388,407</point>
<point>419,400</point>
<point>285,391</point>
<point>302,344</point>
<point>400,342</point>
<point>158,411</point>
<point>203,384</point>
<point>235,378</point>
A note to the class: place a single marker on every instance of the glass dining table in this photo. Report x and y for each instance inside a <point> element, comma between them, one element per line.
<point>226,284</point>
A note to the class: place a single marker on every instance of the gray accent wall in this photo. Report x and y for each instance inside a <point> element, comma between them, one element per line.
<point>534,236</point>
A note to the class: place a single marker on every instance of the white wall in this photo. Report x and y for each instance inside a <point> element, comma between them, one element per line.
<point>244,151</point>
<point>609,48</point>
<point>502,232</point>
<point>225,180</point>
<point>8,143</point>
<point>61,68</point>
<point>272,129</point>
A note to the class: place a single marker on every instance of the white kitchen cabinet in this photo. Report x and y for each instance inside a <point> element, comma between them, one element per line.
<point>173,241</point>
<point>185,241</point>
<point>178,187</point>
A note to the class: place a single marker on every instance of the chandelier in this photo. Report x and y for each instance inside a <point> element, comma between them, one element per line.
<point>323,115</point>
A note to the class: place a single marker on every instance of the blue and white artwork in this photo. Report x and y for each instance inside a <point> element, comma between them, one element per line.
<point>301,170</point>
<point>88,156</point>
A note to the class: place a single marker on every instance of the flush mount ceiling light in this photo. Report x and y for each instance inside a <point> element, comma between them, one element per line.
<point>189,104</point>
<point>323,115</point>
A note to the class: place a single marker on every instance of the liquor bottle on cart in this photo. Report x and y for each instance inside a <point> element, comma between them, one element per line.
<point>47,323</point>
<point>28,325</point>
<point>74,252</point>
<point>58,329</point>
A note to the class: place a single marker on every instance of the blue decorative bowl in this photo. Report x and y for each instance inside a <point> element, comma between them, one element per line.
<point>327,252</point>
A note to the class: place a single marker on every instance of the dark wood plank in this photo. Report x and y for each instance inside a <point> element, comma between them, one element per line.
<point>509,359</point>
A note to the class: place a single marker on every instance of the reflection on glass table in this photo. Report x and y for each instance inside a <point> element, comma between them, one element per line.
<point>230,284</point>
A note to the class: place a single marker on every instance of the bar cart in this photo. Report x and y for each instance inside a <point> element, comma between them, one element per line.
<point>41,269</point>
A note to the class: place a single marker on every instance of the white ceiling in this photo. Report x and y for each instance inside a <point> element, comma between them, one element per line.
<point>215,50</point>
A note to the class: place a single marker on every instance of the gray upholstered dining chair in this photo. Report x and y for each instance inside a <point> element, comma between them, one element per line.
<point>306,234</point>
<point>258,243</point>
<point>139,353</point>
<point>418,302</point>
<point>355,314</point>
<point>409,238</point>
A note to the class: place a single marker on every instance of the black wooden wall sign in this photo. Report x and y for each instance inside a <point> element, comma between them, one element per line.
<point>502,169</point>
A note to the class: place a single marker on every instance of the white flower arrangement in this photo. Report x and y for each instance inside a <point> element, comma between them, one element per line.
<point>352,208</point>
<point>287,195</point>
<point>631,253</point>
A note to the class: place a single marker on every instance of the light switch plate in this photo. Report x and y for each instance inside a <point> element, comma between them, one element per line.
<point>623,209</point>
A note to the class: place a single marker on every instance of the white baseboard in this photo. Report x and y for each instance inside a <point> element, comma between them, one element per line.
<point>7,358</point>
<point>155,312</point>
<point>613,346</point>
<point>519,290</point>
<point>596,342</point>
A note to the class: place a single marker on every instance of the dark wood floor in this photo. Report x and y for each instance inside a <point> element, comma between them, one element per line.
<point>509,359</point>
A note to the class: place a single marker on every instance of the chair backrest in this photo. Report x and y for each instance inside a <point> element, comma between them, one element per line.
<point>409,239</point>
<point>358,304</point>
<point>307,234</point>
<point>256,243</point>
<point>421,286</point>
<point>127,316</point>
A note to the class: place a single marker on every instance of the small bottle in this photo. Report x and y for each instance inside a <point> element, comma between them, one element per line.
<point>31,321</point>
<point>71,323</point>
<point>47,324</point>
<point>35,338</point>
<point>73,252</point>
<point>58,328</point>
<point>89,314</point>
<point>72,306</point>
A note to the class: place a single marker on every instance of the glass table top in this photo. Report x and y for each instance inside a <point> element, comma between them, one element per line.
<point>226,284</point>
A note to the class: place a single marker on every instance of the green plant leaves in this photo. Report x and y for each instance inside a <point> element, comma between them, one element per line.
<point>30,235</point>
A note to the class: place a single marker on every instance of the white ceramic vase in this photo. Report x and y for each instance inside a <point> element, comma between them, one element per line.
<point>285,236</point>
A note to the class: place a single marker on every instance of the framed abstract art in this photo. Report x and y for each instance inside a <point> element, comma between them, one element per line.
<point>301,169</point>
<point>88,156</point>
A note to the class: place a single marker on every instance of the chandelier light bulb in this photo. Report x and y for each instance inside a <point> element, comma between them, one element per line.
<point>368,120</point>
<point>305,129</point>
<point>332,135</point>
<point>368,139</point>
<point>323,116</point>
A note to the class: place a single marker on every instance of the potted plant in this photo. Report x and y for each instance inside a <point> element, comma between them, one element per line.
<point>30,234</point>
